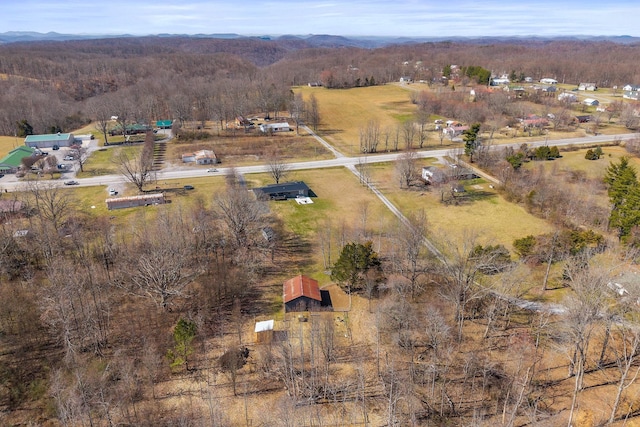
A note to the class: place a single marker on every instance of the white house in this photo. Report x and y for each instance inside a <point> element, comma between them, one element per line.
<point>567,97</point>
<point>202,157</point>
<point>587,86</point>
<point>433,175</point>
<point>548,81</point>
<point>500,81</point>
<point>591,101</point>
<point>631,92</point>
<point>275,127</point>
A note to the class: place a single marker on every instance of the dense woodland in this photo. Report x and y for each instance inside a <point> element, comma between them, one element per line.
<point>56,85</point>
<point>144,321</point>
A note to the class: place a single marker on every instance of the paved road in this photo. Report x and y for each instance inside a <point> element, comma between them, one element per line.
<point>339,161</point>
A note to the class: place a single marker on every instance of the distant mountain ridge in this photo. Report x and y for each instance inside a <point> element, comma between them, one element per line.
<point>313,40</point>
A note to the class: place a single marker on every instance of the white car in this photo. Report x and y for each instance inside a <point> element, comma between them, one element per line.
<point>212,170</point>
<point>113,192</point>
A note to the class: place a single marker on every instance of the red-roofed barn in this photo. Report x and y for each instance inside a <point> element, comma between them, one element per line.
<point>301,293</point>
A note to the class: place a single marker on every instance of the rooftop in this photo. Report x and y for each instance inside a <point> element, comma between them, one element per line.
<point>49,137</point>
<point>300,286</point>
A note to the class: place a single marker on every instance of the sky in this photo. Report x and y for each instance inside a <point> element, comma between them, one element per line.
<point>411,18</point>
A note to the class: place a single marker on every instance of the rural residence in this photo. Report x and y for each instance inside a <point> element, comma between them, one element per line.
<point>587,86</point>
<point>275,127</point>
<point>287,190</point>
<point>202,157</point>
<point>433,175</point>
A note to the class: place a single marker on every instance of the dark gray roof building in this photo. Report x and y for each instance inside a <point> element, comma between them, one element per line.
<point>287,190</point>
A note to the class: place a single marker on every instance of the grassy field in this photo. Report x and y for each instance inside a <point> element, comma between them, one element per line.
<point>103,161</point>
<point>338,208</point>
<point>344,112</point>
<point>572,161</point>
<point>8,143</point>
<point>252,149</point>
<point>481,211</point>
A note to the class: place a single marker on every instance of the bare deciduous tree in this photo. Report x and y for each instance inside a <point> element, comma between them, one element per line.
<point>277,168</point>
<point>241,212</point>
<point>136,170</point>
<point>370,137</point>
<point>162,265</point>
<point>407,168</point>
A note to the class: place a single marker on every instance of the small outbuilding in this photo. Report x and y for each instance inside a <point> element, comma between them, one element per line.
<point>264,331</point>
<point>301,293</point>
<point>288,190</point>
<point>49,140</point>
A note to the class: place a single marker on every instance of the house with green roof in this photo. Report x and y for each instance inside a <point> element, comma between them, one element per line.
<point>49,140</point>
<point>12,161</point>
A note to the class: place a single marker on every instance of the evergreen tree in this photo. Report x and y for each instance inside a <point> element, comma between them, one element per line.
<point>470,138</point>
<point>624,195</point>
<point>24,128</point>
<point>183,335</point>
<point>354,262</point>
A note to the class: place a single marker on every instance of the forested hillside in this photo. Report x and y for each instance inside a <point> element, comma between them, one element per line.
<point>59,84</point>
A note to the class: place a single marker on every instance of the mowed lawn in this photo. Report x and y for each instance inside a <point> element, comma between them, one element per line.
<point>480,212</point>
<point>343,112</point>
<point>339,207</point>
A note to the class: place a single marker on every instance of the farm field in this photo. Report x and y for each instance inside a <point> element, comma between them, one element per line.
<point>481,210</point>
<point>345,111</point>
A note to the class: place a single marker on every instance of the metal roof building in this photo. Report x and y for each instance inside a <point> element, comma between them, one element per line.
<point>287,190</point>
<point>49,140</point>
<point>13,160</point>
<point>134,201</point>
<point>301,293</point>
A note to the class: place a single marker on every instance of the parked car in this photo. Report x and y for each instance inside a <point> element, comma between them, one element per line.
<point>113,192</point>
<point>188,187</point>
<point>71,182</point>
<point>69,158</point>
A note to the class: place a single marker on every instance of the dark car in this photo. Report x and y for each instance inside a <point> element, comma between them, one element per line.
<point>188,187</point>
<point>55,147</point>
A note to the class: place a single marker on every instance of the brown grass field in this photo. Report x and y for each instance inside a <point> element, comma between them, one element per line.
<point>481,210</point>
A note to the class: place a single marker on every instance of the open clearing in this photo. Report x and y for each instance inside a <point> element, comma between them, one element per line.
<point>341,208</point>
<point>481,208</point>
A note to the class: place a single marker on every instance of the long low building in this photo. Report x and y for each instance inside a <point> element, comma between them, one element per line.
<point>275,127</point>
<point>49,140</point>
<point>135,201</point>
<point>287,190</point>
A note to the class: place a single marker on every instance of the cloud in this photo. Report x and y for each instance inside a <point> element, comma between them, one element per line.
<point>357,17</point>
